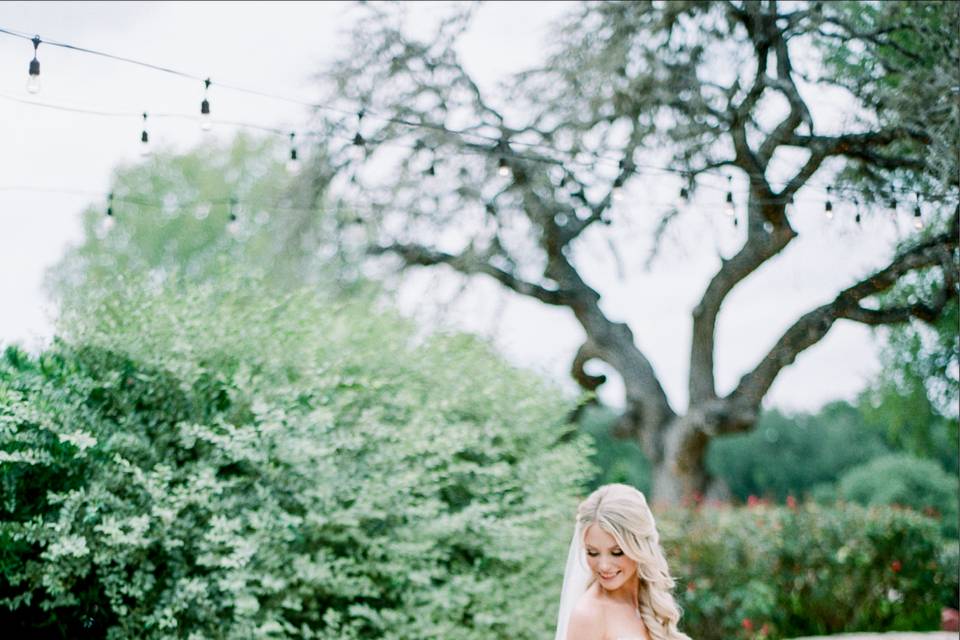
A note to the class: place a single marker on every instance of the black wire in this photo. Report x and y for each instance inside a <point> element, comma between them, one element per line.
<point>395,120</point>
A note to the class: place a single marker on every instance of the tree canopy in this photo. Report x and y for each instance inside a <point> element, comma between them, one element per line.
<point>698,90</point>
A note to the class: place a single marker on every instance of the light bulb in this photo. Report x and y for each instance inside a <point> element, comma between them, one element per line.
<point>293,164</point>
<point>728,207</point>
<point>233,225</point>
<point>205,123</point>
<point>617,191</point>
<point>503,169</point>
<point>33,79</point>
<point>144,138</point>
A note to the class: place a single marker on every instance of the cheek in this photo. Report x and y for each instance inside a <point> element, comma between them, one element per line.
<point>592,563</point>
<point>628,566</point>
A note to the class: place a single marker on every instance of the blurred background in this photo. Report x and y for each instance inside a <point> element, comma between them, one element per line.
<point>338,358</point>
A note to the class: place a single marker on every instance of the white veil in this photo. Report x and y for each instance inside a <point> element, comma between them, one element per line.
<point>576,579</point>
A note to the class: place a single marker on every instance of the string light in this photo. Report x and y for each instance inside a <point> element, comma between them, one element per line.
<point>856,203</point>
<point>828,207</point>
<point>503,166</point>
<point>917,220</point>
<point>396,120</point>
<point>503,169</point>
<point>144,137</point>
<point>33,79</point>
<point>728,207</point>
<point>617,192</point>
<point>293,164</point>
<point>109,220</point>
<point>233,224</point>
<point>205,122</point>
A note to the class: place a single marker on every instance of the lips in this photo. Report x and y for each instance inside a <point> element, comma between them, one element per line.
<point>610,577</point>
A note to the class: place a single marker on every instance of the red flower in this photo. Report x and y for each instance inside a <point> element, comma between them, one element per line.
<point>691,587</point>
<point>747,624</point>
<point>753,501</point>
<point>792,502</point>
<point>896,566</point>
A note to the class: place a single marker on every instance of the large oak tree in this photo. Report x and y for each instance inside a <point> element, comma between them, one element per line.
<point>701,88</point>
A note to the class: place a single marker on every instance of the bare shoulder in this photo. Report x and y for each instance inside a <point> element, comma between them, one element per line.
<point>587,621</point>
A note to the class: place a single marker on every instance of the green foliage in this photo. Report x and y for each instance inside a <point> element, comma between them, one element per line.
<point>780,572</point>
<point>616,460</point>
<point>904,480</point>
<point>913,402</point>
<point>215,462</point>
<point>905,73</point>
<point>172,213</point>
<point>790,455</point>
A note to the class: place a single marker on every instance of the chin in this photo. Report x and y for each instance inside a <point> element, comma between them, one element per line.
<point>614,583</point>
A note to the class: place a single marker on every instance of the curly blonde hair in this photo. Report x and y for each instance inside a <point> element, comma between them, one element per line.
<point>622,511</point>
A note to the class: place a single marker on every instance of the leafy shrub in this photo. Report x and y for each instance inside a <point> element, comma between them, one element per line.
<point>792,454</point>
<point>218,464</point>
<point>904,480</point>
<point>781,572</point>
<point>616,460</point>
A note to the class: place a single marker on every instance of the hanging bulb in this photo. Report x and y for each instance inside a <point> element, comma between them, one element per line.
<point>828,207</point>
<point>358,148</point>
<point>205,123</point>
<point>293,164</point>
<point>617,191</point>
<point>728,206</point>
<point>33,80</point>
<point>144,138</point>
<point>108,220</point>
<point>503,169</point>
<point>856,203</point>
<point>917,220</point>
<point>233,224</point>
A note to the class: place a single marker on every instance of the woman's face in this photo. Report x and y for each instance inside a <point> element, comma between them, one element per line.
<point>607,560</point>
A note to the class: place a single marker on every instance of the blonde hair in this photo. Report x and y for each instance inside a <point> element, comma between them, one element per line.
<point>622,511</point>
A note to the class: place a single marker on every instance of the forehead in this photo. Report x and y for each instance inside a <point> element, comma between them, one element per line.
<point>598,538</point>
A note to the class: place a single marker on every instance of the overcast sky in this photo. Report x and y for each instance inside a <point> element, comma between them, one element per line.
<point>277,47</point>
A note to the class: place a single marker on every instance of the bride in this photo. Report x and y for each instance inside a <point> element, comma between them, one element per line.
<point>617,585</point>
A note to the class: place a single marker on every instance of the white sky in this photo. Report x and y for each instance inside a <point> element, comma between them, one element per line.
<point>277,47</point>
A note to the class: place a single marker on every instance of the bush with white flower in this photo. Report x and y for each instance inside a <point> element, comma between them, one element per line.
<point>226,463</point>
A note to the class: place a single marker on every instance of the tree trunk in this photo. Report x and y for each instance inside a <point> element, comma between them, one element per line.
<point>680,473</point>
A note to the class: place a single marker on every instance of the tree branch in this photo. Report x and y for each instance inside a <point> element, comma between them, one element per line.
<point>814,325</point>
<point>468,263</point>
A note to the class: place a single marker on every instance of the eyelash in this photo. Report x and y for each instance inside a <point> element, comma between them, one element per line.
<point>594,554</point>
